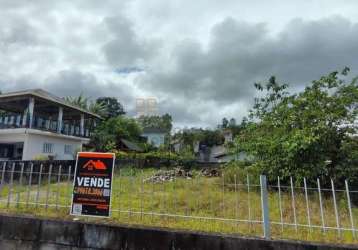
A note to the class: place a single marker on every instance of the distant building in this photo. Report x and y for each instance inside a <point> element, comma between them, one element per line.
<point>228,136</point>
<point>176,145</point>
<point>36,124</point>
<point>154,136</point>
<point>220,153</point>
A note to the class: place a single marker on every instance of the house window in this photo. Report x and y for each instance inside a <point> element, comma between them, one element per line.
<point>48,148</point>
<point>68,149</point>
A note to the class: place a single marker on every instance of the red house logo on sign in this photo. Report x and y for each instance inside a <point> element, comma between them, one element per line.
<point>92,164</point>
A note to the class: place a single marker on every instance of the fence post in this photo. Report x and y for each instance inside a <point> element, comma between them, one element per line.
<point>350,209</point>
<point>265,207</point>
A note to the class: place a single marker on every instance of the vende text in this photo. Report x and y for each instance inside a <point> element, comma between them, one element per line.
<point>93,182</point>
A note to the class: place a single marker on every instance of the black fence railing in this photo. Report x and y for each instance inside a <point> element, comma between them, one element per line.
<point>15,168</point>
<point>11,120</point>
<point>43,123</point>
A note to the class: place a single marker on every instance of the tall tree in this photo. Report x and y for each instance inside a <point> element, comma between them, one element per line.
<point>97,108</point>
<point>163,122</point>
<point>308,134</point>
<point>80,101</point>
<point>232,122</point>
<point>84,102</point>
<point>204,136</point>
<point>108,134</point>
<point>225,123</point>
<point>112,106</point>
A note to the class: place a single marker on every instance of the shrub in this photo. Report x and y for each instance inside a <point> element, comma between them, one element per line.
<point>41,157</point>
<point>239,170</point>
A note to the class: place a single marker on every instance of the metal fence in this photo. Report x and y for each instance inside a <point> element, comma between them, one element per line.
<point>237,203</point>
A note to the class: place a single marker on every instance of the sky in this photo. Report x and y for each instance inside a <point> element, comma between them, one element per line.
<point>198,59</point>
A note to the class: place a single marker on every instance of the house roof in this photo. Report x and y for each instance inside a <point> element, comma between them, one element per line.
<point>131,145</point>
<point>40,93</point>
<point>153,130</point>
<point>219,151</point>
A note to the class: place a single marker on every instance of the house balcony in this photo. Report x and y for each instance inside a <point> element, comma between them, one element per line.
<point>70,127</point>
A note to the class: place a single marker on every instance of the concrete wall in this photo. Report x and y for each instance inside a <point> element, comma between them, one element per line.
<point>32,233</point>
<point>10,135</point>
<point>34,146</point>
<point>34,140</point>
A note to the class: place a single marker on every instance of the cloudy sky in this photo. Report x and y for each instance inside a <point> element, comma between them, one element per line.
<point>199,59</point>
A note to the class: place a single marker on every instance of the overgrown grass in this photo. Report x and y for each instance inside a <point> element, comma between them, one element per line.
<point>199,204</point>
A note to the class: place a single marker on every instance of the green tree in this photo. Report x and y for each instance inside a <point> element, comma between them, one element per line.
<point>224,123</point>
<point>211,137</point>
<point>108,134</point>
<point>97,108</point>
<point>80,101</point>
<point>308,134</point>
<point>163,122</point>
<point>204,136</point>
<point>85,103</point>
<point>112,107</point>
<point>232,122</point>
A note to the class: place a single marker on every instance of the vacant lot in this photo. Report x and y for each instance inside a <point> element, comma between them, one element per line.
<point>198,203</point>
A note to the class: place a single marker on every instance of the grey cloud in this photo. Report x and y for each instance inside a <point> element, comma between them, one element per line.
<point>20,83</point>
<point>45,5</point>
<point>178,111</point>
<point>126,48</point>
<point>310,49</point>
<point>17,31</point>
<point>187,112</point>
<point>240,54</point>
<point>74,83</point>
<point>69,47</point>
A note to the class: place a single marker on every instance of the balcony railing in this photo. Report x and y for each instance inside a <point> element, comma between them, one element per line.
<point>45,124</point>
<point>10,120</point>
<point>72,128</point>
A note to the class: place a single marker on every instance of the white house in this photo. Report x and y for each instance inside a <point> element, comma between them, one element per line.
<point>36,124</point>
<point>155,136</point>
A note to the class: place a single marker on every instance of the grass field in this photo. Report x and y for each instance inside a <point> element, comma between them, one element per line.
<point>199,204</point>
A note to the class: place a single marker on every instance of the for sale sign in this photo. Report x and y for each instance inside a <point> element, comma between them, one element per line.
<point>92,185</point>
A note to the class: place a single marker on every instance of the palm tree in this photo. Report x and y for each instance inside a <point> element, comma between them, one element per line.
<point>85,103</point>
<point>97,108</point>
<point>80,101</point>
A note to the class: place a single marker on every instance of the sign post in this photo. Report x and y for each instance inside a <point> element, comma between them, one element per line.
<point>92,185</point>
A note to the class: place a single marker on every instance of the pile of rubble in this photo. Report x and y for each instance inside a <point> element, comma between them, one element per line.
<point>169,175</point>
<point>210,172</point>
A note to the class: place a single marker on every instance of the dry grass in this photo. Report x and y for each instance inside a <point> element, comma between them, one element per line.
<point>200,204</point>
